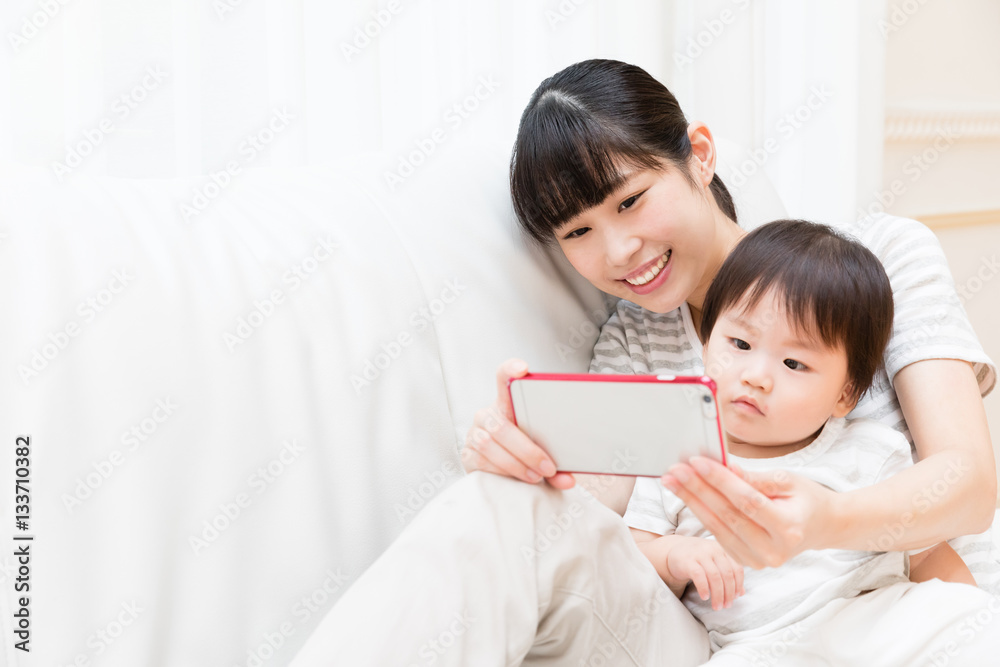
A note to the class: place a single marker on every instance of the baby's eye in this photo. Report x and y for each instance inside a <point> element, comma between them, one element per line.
<point>576,233</point>
<point>628,202</point>
<point>740,344</point>
<point>795,365</point>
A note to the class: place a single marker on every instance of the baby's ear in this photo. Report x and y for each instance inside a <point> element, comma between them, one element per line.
<point>846,402</point>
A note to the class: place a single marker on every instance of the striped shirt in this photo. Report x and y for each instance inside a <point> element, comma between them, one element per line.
<point>846,455</point>
<point>929,323</point>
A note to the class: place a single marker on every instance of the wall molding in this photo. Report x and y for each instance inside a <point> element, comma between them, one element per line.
<point>961,219</point>
<point>916,124</point>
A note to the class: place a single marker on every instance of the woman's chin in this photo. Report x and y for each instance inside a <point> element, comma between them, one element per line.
<point>663,300</point>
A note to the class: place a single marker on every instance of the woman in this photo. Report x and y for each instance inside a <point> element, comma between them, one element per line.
<point>939,396</point>
<point>606,165</point>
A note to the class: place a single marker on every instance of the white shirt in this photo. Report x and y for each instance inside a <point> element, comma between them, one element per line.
<point>846,455</point>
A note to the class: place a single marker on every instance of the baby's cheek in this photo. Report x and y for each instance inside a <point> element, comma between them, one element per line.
<point>718,365</point>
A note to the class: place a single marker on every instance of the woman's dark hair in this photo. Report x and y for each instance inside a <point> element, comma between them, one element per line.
<point>581,127</point>
<point>833,288</point>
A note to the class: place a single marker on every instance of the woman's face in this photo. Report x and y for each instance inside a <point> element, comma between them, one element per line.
<point>656,230</point>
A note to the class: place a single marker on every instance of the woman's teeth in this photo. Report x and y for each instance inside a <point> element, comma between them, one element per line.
<point>652,273</point>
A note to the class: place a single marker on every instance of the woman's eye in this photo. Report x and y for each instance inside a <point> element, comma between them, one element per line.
<point>740,344</point>
<point>576,233</point>
<point>628,202</point>
<point>795,365</point>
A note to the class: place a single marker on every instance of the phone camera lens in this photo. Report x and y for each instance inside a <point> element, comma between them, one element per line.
<point>706,398</point>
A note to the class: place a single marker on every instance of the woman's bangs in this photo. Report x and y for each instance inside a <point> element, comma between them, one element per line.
<point>569,164</point>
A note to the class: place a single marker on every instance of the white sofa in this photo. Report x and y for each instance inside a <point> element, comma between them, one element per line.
<point>233,413</point>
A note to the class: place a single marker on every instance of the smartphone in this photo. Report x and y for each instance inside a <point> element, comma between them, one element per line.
<point>636,425</point>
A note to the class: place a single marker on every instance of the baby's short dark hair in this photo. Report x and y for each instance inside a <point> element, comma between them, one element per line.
<point>832,286</point>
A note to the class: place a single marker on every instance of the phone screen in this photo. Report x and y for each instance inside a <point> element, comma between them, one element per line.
<point>627,425</point>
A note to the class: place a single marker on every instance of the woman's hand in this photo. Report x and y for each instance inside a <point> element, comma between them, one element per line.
<point>761,518</point>
<point>495,444</point>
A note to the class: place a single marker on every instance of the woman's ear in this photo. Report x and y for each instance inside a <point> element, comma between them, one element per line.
<point>846,402</point>
<point>702,152</point>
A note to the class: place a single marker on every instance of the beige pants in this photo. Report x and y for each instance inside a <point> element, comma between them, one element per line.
<point>499,572</point>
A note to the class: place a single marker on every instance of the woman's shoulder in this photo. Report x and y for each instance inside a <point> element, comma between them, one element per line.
<point>632,320</point>
<point>886,235</point>
<point>627,311</point>
<point>652,342</point>
<point>669,328</point>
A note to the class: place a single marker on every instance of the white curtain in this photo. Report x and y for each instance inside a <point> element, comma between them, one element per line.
<point>164,88</point>
<point>799,85</point>
<point>355,76</point>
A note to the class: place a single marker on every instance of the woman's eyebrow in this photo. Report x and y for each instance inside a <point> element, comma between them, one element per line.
<point>619,185</point>
<point>624,181</point>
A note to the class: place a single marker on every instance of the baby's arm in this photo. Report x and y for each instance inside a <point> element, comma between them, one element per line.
<point>680,560</point>
<point>940,562</point>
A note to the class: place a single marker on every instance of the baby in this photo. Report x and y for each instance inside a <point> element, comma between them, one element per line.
<point>795,324</point>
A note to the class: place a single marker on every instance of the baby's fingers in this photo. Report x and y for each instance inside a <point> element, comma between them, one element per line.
<point>732,579</point>
<point>719,584</point>
<point>700,580</point>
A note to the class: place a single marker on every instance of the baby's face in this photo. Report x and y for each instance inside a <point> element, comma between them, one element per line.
<point>777,385</point>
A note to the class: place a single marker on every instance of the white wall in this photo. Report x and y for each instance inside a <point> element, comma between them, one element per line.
<point>942,147</point>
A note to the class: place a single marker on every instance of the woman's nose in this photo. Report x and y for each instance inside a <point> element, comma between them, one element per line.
<point>621,246</point>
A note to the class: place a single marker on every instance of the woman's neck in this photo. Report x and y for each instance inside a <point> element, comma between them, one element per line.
<point>696,320</point>
<point>728,234</point>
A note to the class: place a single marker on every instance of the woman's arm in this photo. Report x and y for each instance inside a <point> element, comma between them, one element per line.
<point>766,518</point>
<point>952,490</point>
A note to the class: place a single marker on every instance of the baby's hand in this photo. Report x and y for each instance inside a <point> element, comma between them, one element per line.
<point>706,564</point>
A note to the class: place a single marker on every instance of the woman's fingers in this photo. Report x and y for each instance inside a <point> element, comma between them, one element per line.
<point>725,537</point>
<point>473,460</point>
<point>760,518</point>
<point>515,441</point>
<point>498,441</point>
<point>510,369</point>
<point>750,493</point>
<point>736,532</point>
<point>561,481</point>
<point>500,458</point>
<point>501,447</point>
<point>755,496</point>
<point>738,573</point>
<point>738,489</point>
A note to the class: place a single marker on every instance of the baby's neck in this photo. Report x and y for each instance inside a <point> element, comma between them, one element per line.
<point>748,450</point>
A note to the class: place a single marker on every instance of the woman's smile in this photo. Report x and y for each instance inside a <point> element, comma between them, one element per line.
<point>652,277</point>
